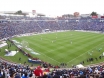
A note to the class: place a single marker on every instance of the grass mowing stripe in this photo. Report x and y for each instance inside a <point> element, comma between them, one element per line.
<point>84,53</point>
<point>43,53</point>
<point>62,50</point>
<point>45,56</point>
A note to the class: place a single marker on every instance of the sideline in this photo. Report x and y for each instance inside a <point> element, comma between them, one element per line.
<point>34,33</point>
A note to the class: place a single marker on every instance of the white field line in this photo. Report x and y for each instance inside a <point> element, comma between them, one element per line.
<point>54,59</point>
<point>84,53</point>
<point>46,55</point>
<point>49,51</point>
<point>52,51</point>
<point>50,58</point>
<point>63,41</point>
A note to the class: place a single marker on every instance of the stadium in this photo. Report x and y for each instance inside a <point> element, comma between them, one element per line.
<point>33,45</point>
<point>61,43</point>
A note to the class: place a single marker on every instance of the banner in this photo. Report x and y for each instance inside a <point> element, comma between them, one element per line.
<point>94,16</point>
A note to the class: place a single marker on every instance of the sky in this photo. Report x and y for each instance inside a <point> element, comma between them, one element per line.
<point>54,7</point>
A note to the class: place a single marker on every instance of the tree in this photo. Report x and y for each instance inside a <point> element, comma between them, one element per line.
<point>94,14</point>
<point>67,15</point>
<point>40,15</point>
<point>19,12</point>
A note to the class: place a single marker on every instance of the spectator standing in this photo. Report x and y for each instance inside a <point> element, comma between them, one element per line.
<point>38,72</point>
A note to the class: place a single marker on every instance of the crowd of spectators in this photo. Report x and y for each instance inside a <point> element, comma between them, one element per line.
<point>10,26</point>
<point>10,70</point>
<point>31,59</point>
<point>21,25</point>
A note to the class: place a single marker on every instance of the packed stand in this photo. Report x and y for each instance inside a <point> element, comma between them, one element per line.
<point>9,70</point>
<point>21,25</point>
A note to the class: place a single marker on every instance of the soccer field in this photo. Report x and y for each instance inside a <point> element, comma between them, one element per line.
<point>71,47</point>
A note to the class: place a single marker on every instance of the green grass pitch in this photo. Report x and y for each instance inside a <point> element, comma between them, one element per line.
<point>71,47</point>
